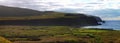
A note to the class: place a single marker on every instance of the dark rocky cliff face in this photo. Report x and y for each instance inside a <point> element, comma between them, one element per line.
<point>58,19</point>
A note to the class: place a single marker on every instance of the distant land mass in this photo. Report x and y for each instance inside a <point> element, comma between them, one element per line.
<point>22,16</point>
<point>13,11</point>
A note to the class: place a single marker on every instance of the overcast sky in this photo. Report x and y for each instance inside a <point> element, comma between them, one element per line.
<point>107,9</point>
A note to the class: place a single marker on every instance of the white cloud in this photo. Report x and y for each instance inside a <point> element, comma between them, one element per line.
<point>57,4</point>
<point>1,0</point>
<point>80,6</point>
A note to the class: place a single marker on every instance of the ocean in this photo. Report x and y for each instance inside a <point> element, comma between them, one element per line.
<point>111,24</point>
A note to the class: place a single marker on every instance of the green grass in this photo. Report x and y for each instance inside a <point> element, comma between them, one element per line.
<point>45,16</point>
<point>59,34</point>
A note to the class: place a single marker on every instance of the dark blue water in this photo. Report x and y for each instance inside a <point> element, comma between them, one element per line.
<point>113,24</point>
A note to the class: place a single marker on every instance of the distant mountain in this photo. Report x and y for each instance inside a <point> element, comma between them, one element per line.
<point>22,16</point>
<point>14,11</point>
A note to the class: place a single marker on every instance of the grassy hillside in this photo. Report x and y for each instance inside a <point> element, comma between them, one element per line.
<point>58,34</point>
<point>21,25</point>
<point>43,16</point>
<point>22,16</point>
<point>6,11</point>
<point>10,13</point>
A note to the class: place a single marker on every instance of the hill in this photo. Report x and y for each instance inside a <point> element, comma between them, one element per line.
<point>6,11</point>
<point>22,16</point>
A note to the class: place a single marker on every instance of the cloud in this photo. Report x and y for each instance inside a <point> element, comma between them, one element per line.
<point>1,0</point>
<point>57,4</point>
<point>102,8</point>
<point>37,4</point>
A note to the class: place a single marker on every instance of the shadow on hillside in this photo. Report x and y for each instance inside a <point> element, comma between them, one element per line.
<point>49,22</point>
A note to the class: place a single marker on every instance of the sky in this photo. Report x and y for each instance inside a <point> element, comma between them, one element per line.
<point>106,9</point>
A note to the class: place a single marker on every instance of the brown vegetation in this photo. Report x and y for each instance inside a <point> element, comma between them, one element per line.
<point>58,34</point>
<point>3,40</point>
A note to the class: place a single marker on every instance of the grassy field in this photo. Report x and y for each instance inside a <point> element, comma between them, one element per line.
<point>58,34</point>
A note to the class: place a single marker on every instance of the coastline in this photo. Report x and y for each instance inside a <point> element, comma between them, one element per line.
<point>109,24</point>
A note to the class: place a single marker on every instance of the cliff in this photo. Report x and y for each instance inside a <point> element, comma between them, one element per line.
<point>21,16</point>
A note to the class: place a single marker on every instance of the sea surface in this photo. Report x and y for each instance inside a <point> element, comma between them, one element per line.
<point>111,24</point>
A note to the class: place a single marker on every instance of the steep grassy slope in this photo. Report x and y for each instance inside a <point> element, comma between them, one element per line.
<point>13,11</point>
<point>21,16</point>
<point>3,40</point>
